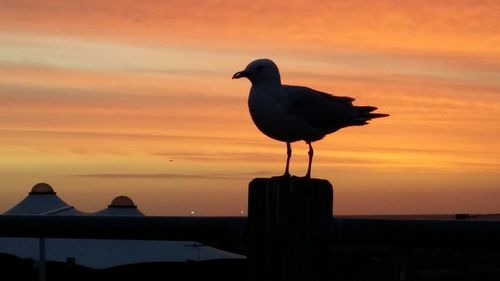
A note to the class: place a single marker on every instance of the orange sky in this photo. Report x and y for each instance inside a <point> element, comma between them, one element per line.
<point>96,98</point>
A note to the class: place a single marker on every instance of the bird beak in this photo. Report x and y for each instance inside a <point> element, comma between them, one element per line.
<point>240,74</point>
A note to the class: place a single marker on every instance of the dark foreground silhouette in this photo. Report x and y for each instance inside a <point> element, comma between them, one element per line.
<point>347,263</point>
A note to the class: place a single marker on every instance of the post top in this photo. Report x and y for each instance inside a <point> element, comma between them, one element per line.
<point>291,180</point>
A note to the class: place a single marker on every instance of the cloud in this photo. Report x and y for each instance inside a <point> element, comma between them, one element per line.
<point>77,134</point>
<point>447,26</point>
<point>207,176</point>
<point>160,176</point>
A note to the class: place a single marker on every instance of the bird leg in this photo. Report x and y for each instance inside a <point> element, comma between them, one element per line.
<point>310,153</point>
<point>288,155</point>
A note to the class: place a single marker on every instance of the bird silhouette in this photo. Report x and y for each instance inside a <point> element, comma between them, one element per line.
<point>293,113</point>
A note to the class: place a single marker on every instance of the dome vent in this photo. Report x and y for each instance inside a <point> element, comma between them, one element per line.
<point>42,188</point>
<point>122,202</point>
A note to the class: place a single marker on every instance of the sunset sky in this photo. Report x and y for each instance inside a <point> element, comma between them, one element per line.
<point>106,98</point>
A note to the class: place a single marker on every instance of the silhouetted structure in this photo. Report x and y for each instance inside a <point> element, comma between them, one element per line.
<point>120,206</point>
<point>42,200</point>
<point>286,214</point>
<point>288,228</point>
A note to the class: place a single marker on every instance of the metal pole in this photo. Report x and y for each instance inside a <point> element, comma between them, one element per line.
<point>198,253</point>
<point>41,259</point>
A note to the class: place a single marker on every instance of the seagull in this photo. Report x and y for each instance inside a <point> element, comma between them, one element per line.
<point>296,113</point>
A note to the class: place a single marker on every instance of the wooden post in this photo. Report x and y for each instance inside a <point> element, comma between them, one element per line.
<point>287,228</point>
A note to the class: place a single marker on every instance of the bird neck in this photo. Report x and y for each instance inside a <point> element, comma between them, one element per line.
<point>269,90</point>
<point>268,80</point>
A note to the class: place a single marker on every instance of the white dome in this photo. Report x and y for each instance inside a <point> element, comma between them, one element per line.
<point>42,200</point>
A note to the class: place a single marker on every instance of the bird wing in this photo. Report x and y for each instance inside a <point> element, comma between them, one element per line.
<point>304,93</point>
<point>319,109</point>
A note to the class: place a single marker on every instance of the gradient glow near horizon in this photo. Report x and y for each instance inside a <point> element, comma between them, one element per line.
<point>101,98</point>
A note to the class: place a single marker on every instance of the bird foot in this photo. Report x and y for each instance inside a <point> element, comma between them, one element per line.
<point>308,175</point>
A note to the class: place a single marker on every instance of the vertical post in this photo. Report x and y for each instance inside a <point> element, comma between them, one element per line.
<point>41,259</point>
<point>70,268</point>
<point>287,220</point>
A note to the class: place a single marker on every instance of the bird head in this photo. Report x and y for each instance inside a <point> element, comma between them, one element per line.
<point>260,71</point>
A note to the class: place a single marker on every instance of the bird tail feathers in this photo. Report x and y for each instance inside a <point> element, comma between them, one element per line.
<point>376,115</point>
<point>365,109</point>
<point>365,113</point>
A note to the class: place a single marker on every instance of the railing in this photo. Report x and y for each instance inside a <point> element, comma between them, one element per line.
<point>285,236</point>
<point>231,232</point>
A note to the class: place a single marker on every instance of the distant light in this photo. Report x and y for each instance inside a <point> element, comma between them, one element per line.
<point>242,213</point>
<point>191,213</point>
